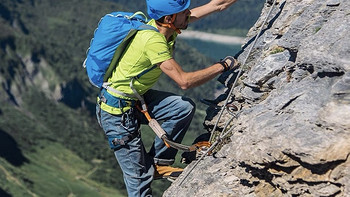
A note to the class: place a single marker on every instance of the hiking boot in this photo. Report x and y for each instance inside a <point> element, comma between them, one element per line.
<point>167,172</point>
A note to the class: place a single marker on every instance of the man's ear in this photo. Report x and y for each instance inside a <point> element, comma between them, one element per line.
<point>167,19</point>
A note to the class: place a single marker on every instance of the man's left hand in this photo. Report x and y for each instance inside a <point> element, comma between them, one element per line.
<point>223,4</point>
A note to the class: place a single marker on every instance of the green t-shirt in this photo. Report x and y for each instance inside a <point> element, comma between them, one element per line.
<point>147,48</point>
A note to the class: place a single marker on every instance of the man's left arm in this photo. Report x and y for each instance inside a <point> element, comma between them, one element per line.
<point>209,8</point>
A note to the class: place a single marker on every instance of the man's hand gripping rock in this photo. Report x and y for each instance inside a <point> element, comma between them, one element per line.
<point>229,63</point>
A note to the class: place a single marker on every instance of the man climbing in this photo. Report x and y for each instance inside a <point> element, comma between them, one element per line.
<point>147,56</point>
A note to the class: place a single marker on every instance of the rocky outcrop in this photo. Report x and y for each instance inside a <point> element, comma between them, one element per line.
<point>24,72</point>
<point>291,134</point>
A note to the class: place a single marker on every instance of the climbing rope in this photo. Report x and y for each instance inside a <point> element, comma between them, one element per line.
<point>223,135</point>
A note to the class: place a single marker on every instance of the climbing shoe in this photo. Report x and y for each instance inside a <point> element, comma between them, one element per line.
<point>167,172</point>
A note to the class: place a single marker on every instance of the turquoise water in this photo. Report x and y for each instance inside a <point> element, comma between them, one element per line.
<point>214,50</point>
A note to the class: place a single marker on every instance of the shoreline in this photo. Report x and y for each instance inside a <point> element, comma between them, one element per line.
<point>210,37</point>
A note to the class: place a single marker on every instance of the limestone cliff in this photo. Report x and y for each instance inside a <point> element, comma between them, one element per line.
<point>291,134</point>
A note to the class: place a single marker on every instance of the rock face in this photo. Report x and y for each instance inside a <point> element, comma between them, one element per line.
<point>291,136</point>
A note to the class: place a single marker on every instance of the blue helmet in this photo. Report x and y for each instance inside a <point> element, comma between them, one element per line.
<point>158,8</point>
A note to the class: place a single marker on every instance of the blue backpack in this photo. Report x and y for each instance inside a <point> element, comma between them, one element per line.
<point>112,36</point>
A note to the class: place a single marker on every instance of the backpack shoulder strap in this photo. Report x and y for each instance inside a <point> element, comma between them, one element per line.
<point>118,52</point>
<point>124,44</point>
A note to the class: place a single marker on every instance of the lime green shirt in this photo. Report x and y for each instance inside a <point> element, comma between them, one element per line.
<point>147,48</point>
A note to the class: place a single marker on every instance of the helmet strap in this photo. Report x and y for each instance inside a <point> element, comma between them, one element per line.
<point>171,24</point>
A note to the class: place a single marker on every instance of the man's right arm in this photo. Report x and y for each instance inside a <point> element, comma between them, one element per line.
<point>188,80</point>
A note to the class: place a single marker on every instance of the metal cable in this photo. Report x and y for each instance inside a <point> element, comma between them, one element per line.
<point>240,72</point>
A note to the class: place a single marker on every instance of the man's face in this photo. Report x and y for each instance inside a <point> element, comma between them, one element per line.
<point>182,19</point>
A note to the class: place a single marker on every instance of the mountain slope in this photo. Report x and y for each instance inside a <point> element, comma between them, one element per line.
<point>62,171</point>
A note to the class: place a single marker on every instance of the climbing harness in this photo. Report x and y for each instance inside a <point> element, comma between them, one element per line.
<point>225,106</point>
<point>155,126</point>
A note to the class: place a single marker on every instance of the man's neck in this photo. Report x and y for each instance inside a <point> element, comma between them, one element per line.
<point>167,32</point>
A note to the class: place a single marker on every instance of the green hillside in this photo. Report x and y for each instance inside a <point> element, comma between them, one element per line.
<point>50,143</point>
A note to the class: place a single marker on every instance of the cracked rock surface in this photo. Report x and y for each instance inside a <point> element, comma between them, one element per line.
<point>291,136</point>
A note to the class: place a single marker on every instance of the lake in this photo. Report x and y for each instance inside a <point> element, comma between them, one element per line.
<point>214,50</point>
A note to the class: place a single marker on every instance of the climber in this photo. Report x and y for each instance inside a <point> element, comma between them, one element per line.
<point>149,48</point>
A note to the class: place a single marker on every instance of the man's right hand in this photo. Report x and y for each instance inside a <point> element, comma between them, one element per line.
<point>229,63</point>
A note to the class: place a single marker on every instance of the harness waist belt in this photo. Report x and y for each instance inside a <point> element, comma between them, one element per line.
<point>115,101</point>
